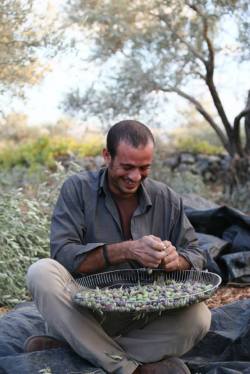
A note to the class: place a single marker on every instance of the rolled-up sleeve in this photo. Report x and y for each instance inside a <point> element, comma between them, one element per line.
<point>185,239</point>
<point>68,227</point>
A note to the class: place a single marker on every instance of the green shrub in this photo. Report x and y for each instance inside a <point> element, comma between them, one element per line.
<point>25,216</point>
<point>46,151</point>
<point>185,182</point>
<point>196,146</point>
<point>29,154</point>
<point>24,220</point>
<point>23,239</point>
<point>92,146</point>
<point>238,198</point>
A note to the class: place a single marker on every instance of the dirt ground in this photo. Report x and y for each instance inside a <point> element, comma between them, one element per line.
<point>3,310</point>
<point>224,295</point>
<point>228,294</point>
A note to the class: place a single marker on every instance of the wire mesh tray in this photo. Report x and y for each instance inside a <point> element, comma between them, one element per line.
<point>142,290</point>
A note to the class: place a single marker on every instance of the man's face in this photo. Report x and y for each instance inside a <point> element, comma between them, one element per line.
<point>128,168</point>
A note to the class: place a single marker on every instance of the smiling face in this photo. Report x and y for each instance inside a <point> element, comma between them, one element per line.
<point>128,168</point>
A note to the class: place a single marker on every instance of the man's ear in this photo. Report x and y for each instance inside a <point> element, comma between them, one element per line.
<point>106,156</point>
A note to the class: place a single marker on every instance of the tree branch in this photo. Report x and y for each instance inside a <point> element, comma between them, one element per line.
<point>247,126</point>
<point>210,74</point>
<point>244,113</point>
<point>210,62</point>
<point>189,46</point>
<point>200,75</point>
<point>236,131</point>
<point>199,107</point>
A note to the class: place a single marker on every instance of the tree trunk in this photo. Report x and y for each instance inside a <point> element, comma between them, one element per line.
<point>247,126</point>
<point>239,171</point>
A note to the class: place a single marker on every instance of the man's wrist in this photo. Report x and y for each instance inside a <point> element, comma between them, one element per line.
<point>129,252</point>
<point>184,264</point>
<point>105,255</point>
<point>117,252</point>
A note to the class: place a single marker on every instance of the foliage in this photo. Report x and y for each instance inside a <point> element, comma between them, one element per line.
<point>25,215</point>
<point>29,36</point>
<point>20,177</point>
<point>154,48</point>
<point>23,239</point>
<point>14,128</point>
<point>18,41</point>
<point>239,198</point>
<point>194,124</point>
<point>190,144</point>
<point>47,151</point>
<point>195,137</point>
<point>92,145</point>
<point>180,182</point>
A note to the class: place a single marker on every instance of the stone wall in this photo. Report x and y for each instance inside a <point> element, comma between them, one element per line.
<point>211,167</point>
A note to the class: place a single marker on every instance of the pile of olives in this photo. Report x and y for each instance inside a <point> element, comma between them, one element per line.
<point>144,298</point>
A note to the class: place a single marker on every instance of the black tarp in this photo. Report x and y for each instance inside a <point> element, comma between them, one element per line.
<point>224,350</point>
<point>224,236</point>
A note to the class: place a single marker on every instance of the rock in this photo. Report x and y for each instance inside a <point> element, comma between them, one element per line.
<point>214,159</point>
<point>171,162</point>
<point>225,163</point>
<point>197,202</point>
<point>182,168</point>
<point>187,158</point>
<point>202,165</point>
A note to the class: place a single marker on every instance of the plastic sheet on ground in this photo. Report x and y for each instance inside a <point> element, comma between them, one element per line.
<point>224,350</point>
<point>224,236</point>
<point>15,327</point>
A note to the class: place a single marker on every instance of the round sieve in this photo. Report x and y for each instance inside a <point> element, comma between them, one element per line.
<point>142,290</point>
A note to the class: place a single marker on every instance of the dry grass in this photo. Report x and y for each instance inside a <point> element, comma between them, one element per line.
<point>3,310</point>
<point>228,294</point>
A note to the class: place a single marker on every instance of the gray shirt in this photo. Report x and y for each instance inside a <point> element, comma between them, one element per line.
<point>86,217</point>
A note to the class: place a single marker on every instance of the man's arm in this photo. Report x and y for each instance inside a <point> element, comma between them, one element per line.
<point>68,227</point>
<point>148,251</point>
<point>186,242</point>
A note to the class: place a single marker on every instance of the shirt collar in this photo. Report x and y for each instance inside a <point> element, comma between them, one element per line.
<point>144,198</point>
<point>103,187</point>
<point>145,195</point>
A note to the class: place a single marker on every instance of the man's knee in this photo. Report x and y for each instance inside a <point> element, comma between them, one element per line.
<point>201,320</point>
<point>40,274</point>
<point>194,327</point>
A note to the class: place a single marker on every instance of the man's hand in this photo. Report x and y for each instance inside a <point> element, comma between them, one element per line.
<point>149,251</point>
<point>173,261</point>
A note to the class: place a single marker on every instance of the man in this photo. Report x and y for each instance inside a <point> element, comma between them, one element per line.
<point>117,218</point>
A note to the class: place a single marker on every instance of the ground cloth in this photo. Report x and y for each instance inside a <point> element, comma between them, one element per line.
<point>224,350</point>
<point>224,236</point>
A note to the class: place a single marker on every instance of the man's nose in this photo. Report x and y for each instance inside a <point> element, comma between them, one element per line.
<point>135,175</point>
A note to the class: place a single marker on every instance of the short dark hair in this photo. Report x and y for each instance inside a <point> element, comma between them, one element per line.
<point>133,132</point>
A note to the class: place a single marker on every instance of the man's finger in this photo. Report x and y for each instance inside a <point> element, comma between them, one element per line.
<point>155,238</point>
<point>171,256</point>
<point>158,255</point>
<point>166,245</point>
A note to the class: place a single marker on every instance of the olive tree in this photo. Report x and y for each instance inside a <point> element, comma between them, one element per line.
<point>29,33</point>
<point>152,48</point>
